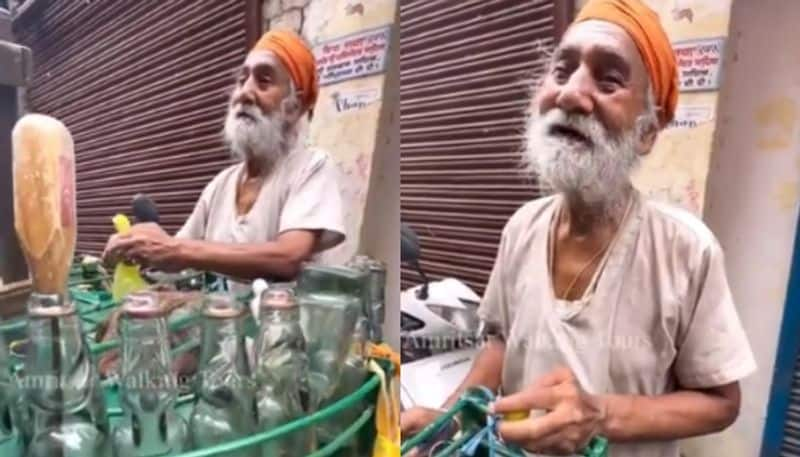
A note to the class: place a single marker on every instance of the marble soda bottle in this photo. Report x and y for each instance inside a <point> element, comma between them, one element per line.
<point>64,400</point>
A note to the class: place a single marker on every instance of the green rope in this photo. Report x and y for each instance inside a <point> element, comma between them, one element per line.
<point>345,436</point>
<point>598,446</point>
<point>431,429</point>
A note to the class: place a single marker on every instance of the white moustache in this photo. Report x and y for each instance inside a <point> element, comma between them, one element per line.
<point>248,110</point>
<point>587,126</point>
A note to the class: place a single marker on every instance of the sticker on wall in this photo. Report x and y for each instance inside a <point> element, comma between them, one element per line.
<point>354,100</point>
<point>690,116</point>
<point>679,14</point>
<point>699,63</point>
<point>354,8</point>
<point>353,56</point>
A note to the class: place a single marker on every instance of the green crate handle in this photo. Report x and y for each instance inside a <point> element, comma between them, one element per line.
<point>348,402</point>
<point>330,411</point>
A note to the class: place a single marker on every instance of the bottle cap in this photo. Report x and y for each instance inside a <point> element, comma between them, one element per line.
<point>222,306</point>
<point>49,305</point>
<point>143,305</point>
<point>278,299</point>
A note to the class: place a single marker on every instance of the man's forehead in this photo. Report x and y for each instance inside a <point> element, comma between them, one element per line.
<point>263,58</point>
<point>591,35</point>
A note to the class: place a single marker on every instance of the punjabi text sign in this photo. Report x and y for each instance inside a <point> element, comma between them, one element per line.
<point>699,63</point>
<point>351,57</point>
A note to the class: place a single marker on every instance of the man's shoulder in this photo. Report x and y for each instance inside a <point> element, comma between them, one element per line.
<point>219,181</point>
<point>679,225</point>
<point>530,217</point>
<point>532,211</point>
<point>306,160</point>
<point>224,175</point>
<point>317,154</point>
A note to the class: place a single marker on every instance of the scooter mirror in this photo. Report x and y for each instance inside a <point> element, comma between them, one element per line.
<point>409,244</point>
<point>409,254</point>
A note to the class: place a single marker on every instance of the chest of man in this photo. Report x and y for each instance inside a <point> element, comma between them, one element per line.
<point>620,336</point>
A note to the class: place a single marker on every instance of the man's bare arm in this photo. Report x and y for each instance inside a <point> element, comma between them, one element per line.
<point>676,415</point>
<point>573,416</point>
<point>281,258</point>
<point>486,370</point>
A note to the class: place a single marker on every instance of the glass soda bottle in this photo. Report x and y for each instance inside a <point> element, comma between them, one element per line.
<point>225,409</point>
<point>10,434</point>
<point>375,307</point>
<point>331,300</point>
<point>353,375</point>
<point>65,399</point>
<point>282,372</point>
<point>148,388</point>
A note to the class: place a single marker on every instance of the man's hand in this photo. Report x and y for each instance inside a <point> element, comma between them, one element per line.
<point>415,420</point>
<point>145,244</point>
<point>573,417</point>
<point>412,421</point>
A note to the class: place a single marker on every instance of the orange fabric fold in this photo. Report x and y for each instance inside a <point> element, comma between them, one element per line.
<point>298,59</point>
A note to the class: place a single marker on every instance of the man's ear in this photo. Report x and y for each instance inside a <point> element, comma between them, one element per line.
<point>294,108</point>
<point>646,141</point>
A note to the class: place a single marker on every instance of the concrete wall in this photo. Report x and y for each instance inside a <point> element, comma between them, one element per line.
<point>752,194</point>
<point>380,232</point>
<point>364,141</point>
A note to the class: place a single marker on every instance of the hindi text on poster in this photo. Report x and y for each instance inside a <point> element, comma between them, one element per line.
<point>691,116</point>
<point>351,57</point>
<point>699,63</point>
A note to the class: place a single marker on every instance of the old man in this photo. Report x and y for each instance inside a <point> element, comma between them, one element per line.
<point>279,204</point>
<point>606,314</point>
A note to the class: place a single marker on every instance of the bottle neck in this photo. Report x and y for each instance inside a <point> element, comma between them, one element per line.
<point>224,343</point>
<point>58,371</point>
<point>148,386</point>
<point>279,330</point>
<point>145,331</point>
<point>53,319</point>
<point>144,341</point>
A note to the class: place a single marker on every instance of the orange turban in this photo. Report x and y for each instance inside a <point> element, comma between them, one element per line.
<point>297,58</point>
<point>644,27</point>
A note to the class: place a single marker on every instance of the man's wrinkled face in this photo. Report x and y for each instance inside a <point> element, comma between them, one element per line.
<point>591,118</point>
<point>262,109</point>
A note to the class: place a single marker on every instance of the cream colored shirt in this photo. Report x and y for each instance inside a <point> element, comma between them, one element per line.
<point>660,317</point>
<point>301,193</point>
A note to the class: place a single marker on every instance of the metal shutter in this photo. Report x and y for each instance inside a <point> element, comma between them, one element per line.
<point>464,73</point>
<point>790,445</point>
<point>143,87</point>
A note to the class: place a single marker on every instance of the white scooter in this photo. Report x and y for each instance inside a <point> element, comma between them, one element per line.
<point>439,333</point>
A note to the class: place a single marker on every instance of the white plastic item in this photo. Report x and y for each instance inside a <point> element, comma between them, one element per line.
<point>430,381</point>
<point>44,199</point>
<point>448,294</point>
<point>259,286</point>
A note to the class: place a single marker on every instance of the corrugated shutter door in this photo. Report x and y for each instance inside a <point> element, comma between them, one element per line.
<point>142,86</point>
<point>465,71</point>
<point>791,430</point>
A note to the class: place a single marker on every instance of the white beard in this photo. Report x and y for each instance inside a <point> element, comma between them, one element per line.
<point>596,174</point>
<point>261,137</point>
